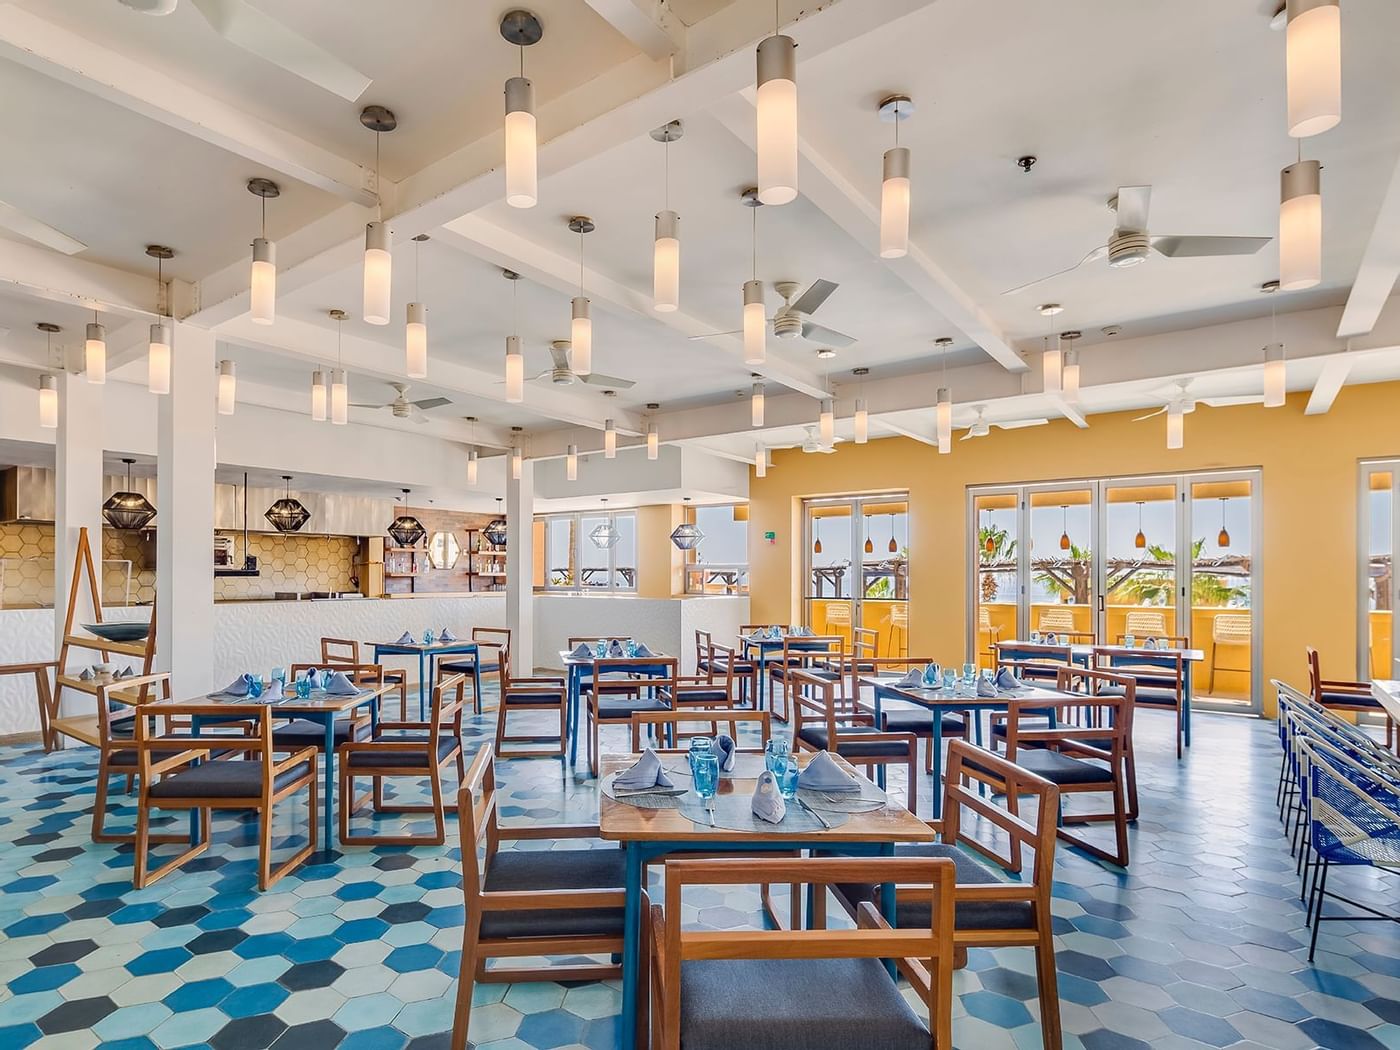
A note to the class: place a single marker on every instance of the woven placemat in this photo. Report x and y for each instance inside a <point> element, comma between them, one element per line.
<point>640,801</point>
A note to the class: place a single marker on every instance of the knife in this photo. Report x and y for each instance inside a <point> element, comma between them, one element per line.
<point>820,819</point>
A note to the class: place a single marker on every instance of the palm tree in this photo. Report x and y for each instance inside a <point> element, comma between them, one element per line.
<point>995,549</point>
<point>1158,586</point>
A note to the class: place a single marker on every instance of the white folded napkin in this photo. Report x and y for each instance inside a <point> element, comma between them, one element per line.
<point>725,751</point>
<point>405,639</point>
<point>823,774</point>
<point>314,677</point>
<point>615,650</point>
<point>803,632</point>
<point>913,679</point>
<point>339,685</point>
<point>86,675</point>
<point>644,773</point>
<point>1007,680</point>
<point>757,636</point>
<point>272,692</point>
<point>1151,643</point>
<point>239,686</point>
<point>445,635</point>
<point>986,687</point>
<point>768,803</point>
<point>581,651</point>
<point>642,650</point>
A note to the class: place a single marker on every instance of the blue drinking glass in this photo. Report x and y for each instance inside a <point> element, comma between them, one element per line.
<point>969,672</point>
<point>303,688</point>
<point>428,637</point>
<point>255,688</point>
<point>706,775</point>
<point>775,753</point>
<point>700,745</point>
<point>950,680</point>
<point>279,674</point>
<point>786,776</point>
<point>600,650</point>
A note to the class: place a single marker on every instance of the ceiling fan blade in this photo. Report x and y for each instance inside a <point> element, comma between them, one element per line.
<point>817,293</point>
<point>242,24</point>
<point>1097,253</point>
<point>817,333</point>
<point>716,335</point>
<point>611,382</point>
<point>1021,424</point>
<point>970,435</point>
<point>357,404</point>
<point>1202,247</point>
<point>1149,415</point>
<point>418,416</point>
<point>1133,202</point>
<point>1230,402</point>
<point>432,402</point>
<point>32,229</point>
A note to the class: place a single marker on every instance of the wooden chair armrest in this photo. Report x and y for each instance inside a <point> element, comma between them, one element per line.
<point>176,760</point>
<point>551,831</point>
<point>294,758</point>
<point>867,918</point>
<point>541,680</point>
<point>550,900</point>
<point>403,725</point>
<point>1338,684</point>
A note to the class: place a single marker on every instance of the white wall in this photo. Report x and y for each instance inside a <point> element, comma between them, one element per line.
<point>666,625</point>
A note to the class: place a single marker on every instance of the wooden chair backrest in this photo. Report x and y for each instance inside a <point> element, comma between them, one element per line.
<point>968,768</point>
<point>865,643</point>
<point>1020,654</point>
<point>491,637</point>
<point>1083,723</point>
<point>724,655</point>
<point>339,651</point>
<point>816,700</point>
<point>668,666</point>
<point>106,706</point>
<point>673,719</point>
<point>446,708</point>
<point>255,738</point>
<point>899,614</point>
<point>703,642</point>
<point>1056,621</point>
<point>477,819</point>
<point>808,648</point>
<point>1158,664</point>
<point>838,614</point>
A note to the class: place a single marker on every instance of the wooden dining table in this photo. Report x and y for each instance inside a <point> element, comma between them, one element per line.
<point>1387,694</point>
<point>577,668</point>
<point>649,834</point>
<point>428,653</point>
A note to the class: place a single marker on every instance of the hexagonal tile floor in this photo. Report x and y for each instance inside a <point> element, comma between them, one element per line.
<point>1200,943</point>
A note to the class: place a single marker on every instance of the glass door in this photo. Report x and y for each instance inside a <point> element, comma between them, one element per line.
<point>997,588</point>
<point>1062,595</point>
<point>883,604</point>
<point>1140,571</point>
<point>1222,524</point>
<point>857,553</point>
<point>831,567</point>
<point>1376,657</point>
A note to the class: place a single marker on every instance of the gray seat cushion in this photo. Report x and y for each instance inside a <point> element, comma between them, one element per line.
<point>701,696</point>
<point>1144,694</point>
<point>920,722</point>
<point>313,734</point>
<point>1349,700</point>
<point>572,869</point>
<point>534,696</point>
<point>970,915</point>
<point>795,1004</point>
<point>850,745</point>
<point>122,728</point>
<point>621,708</point>
<point>393,757</point>
<point>1062,769</point>
<point>825,674</point>
<point>232,779</point>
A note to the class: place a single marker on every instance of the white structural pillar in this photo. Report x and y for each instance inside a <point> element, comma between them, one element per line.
<point>520,567</point>
<point>185,515</point>
<point>77,505</point>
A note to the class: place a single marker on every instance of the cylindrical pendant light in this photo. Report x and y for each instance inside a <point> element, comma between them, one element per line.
<point>777,120</point>
<point>1300,226</point>
<point>318,396</point>
<point>755,324</point>
<point>826,423</point>
<point>340,397</point>
<point>48,402</point>
<point>1275,376</point>
<point>609,440</point>
<point>581,330</point>
<point>1051,363</point>
<point>760,462</point>
<point>517,462</point>
<point>262,282</point>
<point>1314,61</point>
<point>758,404</point>
<point>571,464</point>
<point>522,29</point>
<point>515,371</point>
<point>894,184</point>
<point>1070,377</point>
<point>228,388</point>
<point>944,420</point>
<point>471,466</point>
<point>416,341</point>
<point>653,442</point>
<point>95,353</point>
<point>1176,426</point>
<point>861,422</point>
<point>379,268</point>
<point>158,359</point>
<point>666,263</point>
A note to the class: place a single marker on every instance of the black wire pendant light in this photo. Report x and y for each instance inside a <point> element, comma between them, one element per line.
<point>1223,540</point>
<point>287,514</point>
<point>128,510</point>
<point>1140,540</point>
<point>406,529</point>
<point>495,532</point>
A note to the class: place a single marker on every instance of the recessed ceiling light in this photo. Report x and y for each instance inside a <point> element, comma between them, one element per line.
<point>1112,329</point>
<point>826,353</point>
<point>1050,309</point>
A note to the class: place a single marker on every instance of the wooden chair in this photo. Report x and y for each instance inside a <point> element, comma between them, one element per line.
<point>822,723</point>
<point>43,695</point>
<point>1084,750</point>
<point>401,749</point>
<point>300,732</point>
<point>711,656</point>
<point>899,621</point>
<point>341,653</point>
<point>991,630</point>
<point>820,654</point>
<point>665,726</point>
<point>189,781</point>
<point>612,697</point>
<point>989,910</point>
<point>1060,622</point>
<point>1033,661</point>
<point>116,755</point>
<point>492,643</point>
<point>1229,629</point>
<point>1159,679</point>
<point>531,903</point>
<point>798,989</point>
<point>1145,624</point>
<point>547,694</point>
<point>911,718</point>
<point>1339,695</point>
<point>1094,682</point>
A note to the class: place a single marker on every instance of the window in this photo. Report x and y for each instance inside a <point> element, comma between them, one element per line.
<point>720,564</point>
<point>577,561</point>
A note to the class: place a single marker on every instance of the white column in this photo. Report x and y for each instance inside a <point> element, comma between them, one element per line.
<point>520,569</point>
<point>185,515</point>
<point>77,505</point>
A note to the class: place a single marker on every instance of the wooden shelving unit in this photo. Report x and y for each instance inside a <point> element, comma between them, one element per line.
<point>487,564</point>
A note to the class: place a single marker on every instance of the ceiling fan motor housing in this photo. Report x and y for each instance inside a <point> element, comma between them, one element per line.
<point>1128,248</point>
<point>787,325</point>
<point>561,377</point>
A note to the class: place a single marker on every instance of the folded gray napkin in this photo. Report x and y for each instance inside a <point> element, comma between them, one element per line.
<point>315,677</point>
<point>1007,680</point>
<point>581,651</point>
<point>337,684</point>
<point>615,650</point>
<point>725,750</point>
<point>126,672</point>
<point>1151,643</point>
<point>757,636</point>
<point>642,650</point>
<point>768,804</point>
<point>986,687</point>
<point>445,635</point>
<point>272,692</point>
<point>913,679</point>
<point>1050,639</point>
<point>405,639</point>
<point>644,773</point>
<point>87,674</point>
<point>823,774</point>
<point>803,632</point>
<point>239,686</point>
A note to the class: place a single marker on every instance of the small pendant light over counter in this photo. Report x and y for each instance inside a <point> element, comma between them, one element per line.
<point>757,404</point>
<point>95,351</point>
<point>816,535</point>
<point>760,461</point>
<point>522,29</point>
<point>1300,226</point>
<point>128,509</point>
<point>609,440</point>
<point>571,463</point>
<point>943,417</point>
<point>340,387</point>
<point>1223,539</point>
<point>653,435</point>
<point>416,327</point>
<point>287,514</point>
<point>605,535</point>
<point>777,117</point>
<point>405,529</point>
<point>755,318</point>
<point>894,185</point>
<point>496,532</point>
<point>666,248</point>
<point>472,454</point>
<point>893,547</point>
<point>687,535</point>
<point>860,422</point>
<point>48,383</point>
<point>262,281</point>
<point>1140,540</point>
<point>869,542</point>
<point>581,329</point>
<point>1314,60</point>
<point>379,260</point>
<point>515,360</point>
<point>228,388</point>
<point>158,351</point>
<point>1065,543</point>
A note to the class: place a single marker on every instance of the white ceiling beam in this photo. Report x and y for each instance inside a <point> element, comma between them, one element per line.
<point>43,274</point>
<point>1070,412</point>
<point>501,247</point>
<point>1380,267</point>
<point>317,346</point>
<point>648,24</point>
<point>904,430</point>
<point>101,70</point>
<point>836,192</point>
<point>1329,384</point>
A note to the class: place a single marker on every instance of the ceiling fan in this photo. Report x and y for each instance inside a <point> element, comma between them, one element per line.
<point>981,427</point>
<point>791,320</point>
<point>1180,395</point>
<point>561,374</point>
<point>245,26</point>
<point>812,443</point>
<point>1131,243</point>
<point>403,408</point>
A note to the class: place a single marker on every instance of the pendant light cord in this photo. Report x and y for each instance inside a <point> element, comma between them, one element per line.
<point>580,262</point>
<point>753,241</point>
<point>160,286</point>
<point>667,163</point>
<point>263,201</point>
<point>339,333</point>
<point>378,197</point>
<point>417,247</point>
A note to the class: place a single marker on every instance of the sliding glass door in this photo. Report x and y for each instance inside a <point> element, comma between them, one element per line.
<point>1377,654</point>
<point>857,569</point>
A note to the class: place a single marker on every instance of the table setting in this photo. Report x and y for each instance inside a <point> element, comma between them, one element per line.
<point>252,688</point>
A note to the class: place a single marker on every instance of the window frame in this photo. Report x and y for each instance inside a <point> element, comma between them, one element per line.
<point>574,519</point>
<point>692,565</point>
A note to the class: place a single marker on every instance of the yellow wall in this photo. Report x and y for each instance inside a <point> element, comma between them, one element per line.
<point>659,562</point>
<point>1308,591</point>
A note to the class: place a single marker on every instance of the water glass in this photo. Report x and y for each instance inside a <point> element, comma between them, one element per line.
<point>279,674</point>
<point>255,688</point>
<point>786,776</point>
<point>600,649</point>
<point>969,672</point>
<point>303,688</point>
<point>950,680</point>
<point>706,775</point>
<point>700,745</point>
<point>1129,640</point>
<point>777,752</point>
<point>428,637</point>
<point>630,647</point>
